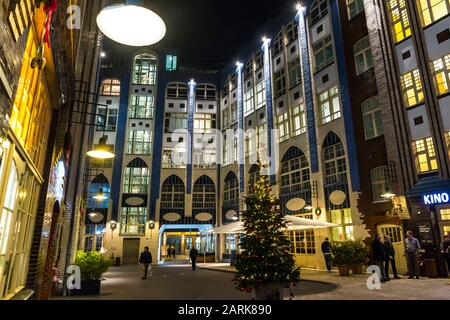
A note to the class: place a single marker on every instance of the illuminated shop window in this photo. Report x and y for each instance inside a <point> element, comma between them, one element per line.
<point>110,87</point>
<point>171,63</point>
<point>323,53</point>
<point>260,95</point>
<point>399,19</point>
<point>142,107</point>
<point>441,71</point>
<point>136,178</point>
<point>299,120</point>
<point>412,88</point>
<point>283,126</point>
<point>204,193</point>
<point>425,155</point>
<point>302,242</point>
<point>231,189</point>
<point>432,10</point>
<point>363,55</point>
<point>106,119</point>
<point>329,104</point>
<point>354,7</point>
<point>132,220</point>
<point>372,119</point>
<point>139,142</point>
<point>144,70</point>
<point>380,183</point>
<point>445,214</point>
<point>295,175</point>
<point>343,218</point>
<point>319,9</point>
<point>249,103</point>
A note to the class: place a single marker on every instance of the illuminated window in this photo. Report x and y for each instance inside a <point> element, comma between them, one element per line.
<point>343,218</point>
<point>380,184</point>
<point>142,107</point>
<point>261,137</point>
<point>231,189</point>
<point>372,119</point>
<point>136,178</point>
<point>225,118</point>
<point>298,120</point>
<point>283,126</point>
<point>294,175</point>
<point>319,9</point>
<point>412,88</point>
<point>441,71</point>
<point>249,103</point>
<point>177,91</point>
<point>250,143</point>
<point>279,81</point>
<point>204,193</point>
<point>175,121</point>
<point>399,19</point>
<point>110,87</point>
<point>363,55</point>
<point>234,113</point>
<point>172,193</point>
<point>432,10</point>
<point>260,94</point>
<point>106,119</point>
<point>174,157</point>
<point>132,220</point>
<point>354,7</point>
<point>144,70</point>
<point>171,63</point>
<point>303,241</point>
<point>204,122</point>
<point>139,142</point>
<point>335,167</point>
<point>323,53</point>
<point>446,230</point>
<point>445,214</point>
<point>425,155</point>
<point>329,104</point>
<point>447,142</point>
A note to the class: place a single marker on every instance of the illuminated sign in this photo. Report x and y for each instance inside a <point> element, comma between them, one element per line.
<point>436,198</point>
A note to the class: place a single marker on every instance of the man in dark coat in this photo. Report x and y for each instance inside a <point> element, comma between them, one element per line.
<point>326,250</point>
<point>145,260</point>
<point>193,254</point>
<point>390,258</point>
<point>379,256</point>
<point>445,250</point>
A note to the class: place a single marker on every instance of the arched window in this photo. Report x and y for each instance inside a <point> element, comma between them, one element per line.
<point>205,92</point>
<point>380,183</point>
<point>144,69</point>
<point>335,167</point>
<point>136,178</point>
<point>204,195</point>
<point>294,171</point>
<point>363,55</point>
<point>231,190</point>
<point>100,185</point>
<point>110,87</point>
<point>319,9</point>
<point>176,90</point>
<point>172,193</point>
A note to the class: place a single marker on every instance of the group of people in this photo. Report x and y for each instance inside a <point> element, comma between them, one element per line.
<point>171,252</point>
<point>384,255</point>
<point>145,260</point>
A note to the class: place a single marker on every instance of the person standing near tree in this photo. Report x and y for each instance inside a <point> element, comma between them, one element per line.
<point>326,250</point>
<point>390,257</point>
<point>193,254</point>
<point>146,260</point>
<point>412,247</point>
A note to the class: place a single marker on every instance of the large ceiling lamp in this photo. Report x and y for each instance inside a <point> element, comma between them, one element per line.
<point>132,24</point>
<point>101,151</point>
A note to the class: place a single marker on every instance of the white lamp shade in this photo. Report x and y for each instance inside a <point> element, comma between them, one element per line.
<point>131,25</point>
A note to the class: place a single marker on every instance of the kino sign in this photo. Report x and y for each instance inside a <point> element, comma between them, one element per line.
<point>436,198</point>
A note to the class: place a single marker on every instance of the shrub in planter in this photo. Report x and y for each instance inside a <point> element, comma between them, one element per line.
<point>359,256</point>
<point>342,256</point>
<point>92,266</point>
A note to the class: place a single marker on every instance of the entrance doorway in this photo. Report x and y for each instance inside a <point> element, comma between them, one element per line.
<point>395,233</point>
<point>130,253</point>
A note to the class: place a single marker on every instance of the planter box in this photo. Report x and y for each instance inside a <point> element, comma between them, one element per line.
<point>88,288</point>
<point>344,270</point>
<point>357,268</point>
<point>271,291</point>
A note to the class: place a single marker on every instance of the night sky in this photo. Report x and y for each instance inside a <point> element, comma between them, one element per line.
<point>209,32</point>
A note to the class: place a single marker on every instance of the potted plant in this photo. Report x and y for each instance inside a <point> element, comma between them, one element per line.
<point>341,256</point>
<point>92,266</point>
<point>359,256</point>
<point>265,262</point>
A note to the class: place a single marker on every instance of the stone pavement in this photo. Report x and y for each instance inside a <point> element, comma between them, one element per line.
<point>354,287</point>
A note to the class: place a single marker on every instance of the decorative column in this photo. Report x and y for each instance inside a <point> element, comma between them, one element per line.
<point>190,142</point>
<point>240,106</point>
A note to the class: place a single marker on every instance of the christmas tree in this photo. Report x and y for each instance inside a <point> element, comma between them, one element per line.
<point>265,255</point>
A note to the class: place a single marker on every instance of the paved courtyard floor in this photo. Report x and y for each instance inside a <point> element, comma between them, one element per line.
<point>213,282</point>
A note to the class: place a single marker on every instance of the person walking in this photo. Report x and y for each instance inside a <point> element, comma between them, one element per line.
<point>174,252</point>
<point>445,250</point>
<point>326,250</point>
<point>169,252</point>
<point>390,258</point>
<point>193,254</point>
<point>412,247</point>
<point>379,256</point>
<point>146,260</point>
